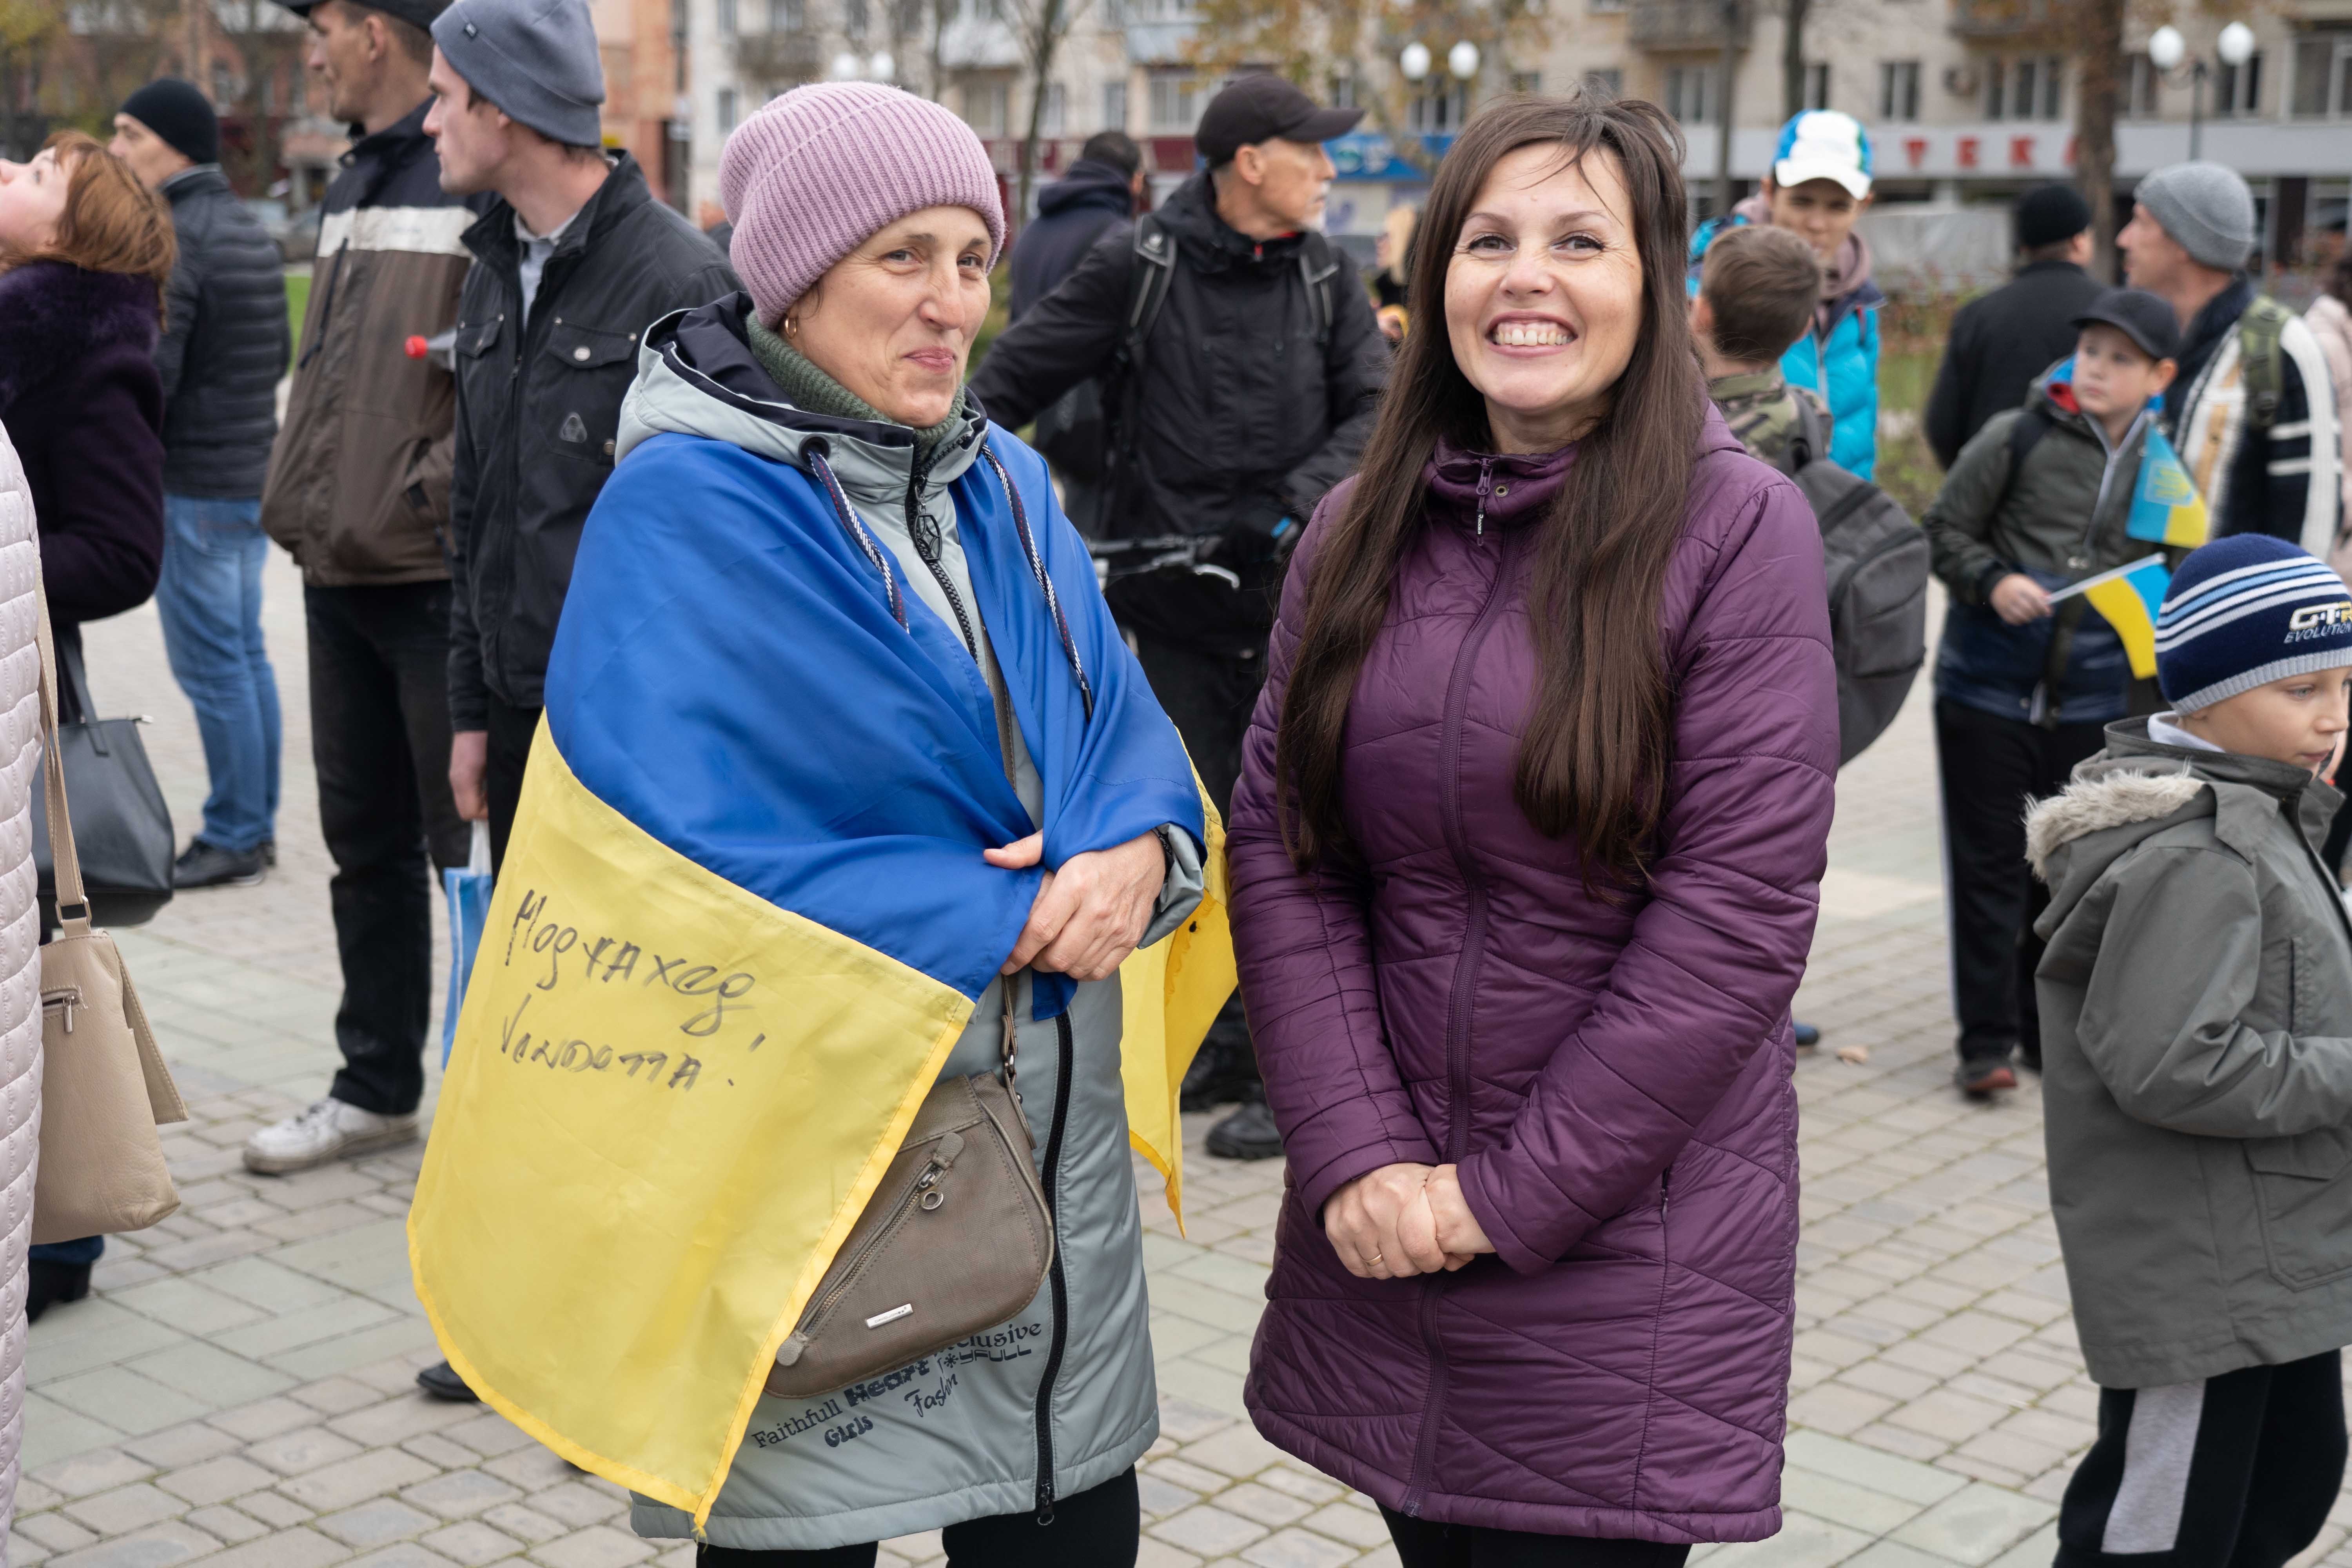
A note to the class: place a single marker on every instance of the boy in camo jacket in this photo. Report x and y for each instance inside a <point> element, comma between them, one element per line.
<point>1757,289</point>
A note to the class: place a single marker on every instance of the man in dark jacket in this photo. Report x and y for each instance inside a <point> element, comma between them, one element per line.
<point>575,259</point>
<point>1252,396</point>
<point>225,345</point>
<point>2001,342</point>
<point>1101,189</point>
<point>359,491</point>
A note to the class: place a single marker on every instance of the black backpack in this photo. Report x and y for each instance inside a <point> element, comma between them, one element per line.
<point>1085,433</point>
<point>1877,560</point>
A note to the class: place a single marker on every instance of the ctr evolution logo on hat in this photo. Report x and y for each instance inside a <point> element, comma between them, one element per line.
<point>1824,144</point>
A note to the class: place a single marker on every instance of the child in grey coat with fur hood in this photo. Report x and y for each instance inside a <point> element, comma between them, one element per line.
<point>2197,1051</point>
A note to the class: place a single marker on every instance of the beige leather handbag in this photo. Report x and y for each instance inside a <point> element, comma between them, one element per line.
<point>104,1085</point>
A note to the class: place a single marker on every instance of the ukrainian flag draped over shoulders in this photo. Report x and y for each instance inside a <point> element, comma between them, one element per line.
<point>743,919</point>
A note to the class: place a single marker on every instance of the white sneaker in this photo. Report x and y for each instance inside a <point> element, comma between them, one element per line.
<point>329,1129</point>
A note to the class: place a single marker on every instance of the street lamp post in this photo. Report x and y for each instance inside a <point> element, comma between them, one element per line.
<point>1414,62</point>
<point>2166,50</point>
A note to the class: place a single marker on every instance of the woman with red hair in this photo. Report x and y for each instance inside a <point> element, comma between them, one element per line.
<point>85,252</point>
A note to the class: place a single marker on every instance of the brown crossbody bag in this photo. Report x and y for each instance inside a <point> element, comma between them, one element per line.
<point>956,1239</point>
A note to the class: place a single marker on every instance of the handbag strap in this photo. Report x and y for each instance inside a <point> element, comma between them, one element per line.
<point>63,860</point>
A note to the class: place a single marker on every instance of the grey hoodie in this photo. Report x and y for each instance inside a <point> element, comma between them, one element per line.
<point>2196,1061</point>
<point>960,1435</point>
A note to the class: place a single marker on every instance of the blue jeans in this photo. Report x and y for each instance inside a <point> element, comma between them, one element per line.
<point>84,1251</point>
<point>210,599</point>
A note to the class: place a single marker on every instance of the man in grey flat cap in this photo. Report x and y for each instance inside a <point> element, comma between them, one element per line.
<point>2252,413</point>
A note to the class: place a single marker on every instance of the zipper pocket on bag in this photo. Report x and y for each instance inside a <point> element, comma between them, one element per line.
<point>920,1194</point>
<point>63,1000</point>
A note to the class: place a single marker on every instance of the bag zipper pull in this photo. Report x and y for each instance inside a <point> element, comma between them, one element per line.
<point>65,1000</point>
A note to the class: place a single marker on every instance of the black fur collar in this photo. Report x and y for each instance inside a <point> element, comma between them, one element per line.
<point>53,314</point>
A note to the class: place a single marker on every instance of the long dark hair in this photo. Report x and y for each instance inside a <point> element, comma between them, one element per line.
<point>1593,756</point>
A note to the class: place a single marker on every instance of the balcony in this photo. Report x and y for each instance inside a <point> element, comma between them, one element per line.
<point>1667,26</point>
<point>778,60</point>
<point>2004,21</point>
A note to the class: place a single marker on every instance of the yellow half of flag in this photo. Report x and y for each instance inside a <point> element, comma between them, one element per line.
<point>669,1102</point>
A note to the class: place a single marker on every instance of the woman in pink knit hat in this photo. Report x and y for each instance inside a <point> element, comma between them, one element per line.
<point>801,468</point>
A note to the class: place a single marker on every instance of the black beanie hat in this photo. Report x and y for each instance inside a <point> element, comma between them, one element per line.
<point>175,111</point>
<point>2048,214</point>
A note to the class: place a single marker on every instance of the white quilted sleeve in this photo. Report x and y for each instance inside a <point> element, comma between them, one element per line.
<point>20,936</point>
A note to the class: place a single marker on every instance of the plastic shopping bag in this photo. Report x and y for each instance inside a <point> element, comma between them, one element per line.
<point>469,906</point>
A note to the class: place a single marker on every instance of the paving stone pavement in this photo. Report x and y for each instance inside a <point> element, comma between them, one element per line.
<point>238,1391</point>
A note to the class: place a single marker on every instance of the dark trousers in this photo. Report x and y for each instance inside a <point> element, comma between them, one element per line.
<point>1211,697</point>
<point>379,741</point>
<point>511,728</point>
<point>1991,766</point>
<point>1098,1528</point>
<point>2237,1471</point>
<point>1421,1544</point>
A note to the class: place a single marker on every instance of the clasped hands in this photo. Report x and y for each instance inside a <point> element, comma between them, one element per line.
<point>1088,916</point>
<point>1402,1220</point>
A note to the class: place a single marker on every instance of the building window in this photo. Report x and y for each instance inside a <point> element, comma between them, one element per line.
<point>726,19</point>
<point>1817,86</point>
<point>1439,112</point>
<point>2238,90</point>
<point>2029,88</point>
<point>1690,93</point>
<point>1058,110</point>
<point>726,111</point>
<point>2141,85</point>
<point>854,18</point>
<point>1343,87</point>
<point>1606,5</point>
<point>2322,76</point>
<point>985,105</point>
<point>787,16</point>
<point>1898,90</point>
<point>1611,81</point>
<point>1527,81</point>
<point>1175,101</point>
<point>1114,115</point>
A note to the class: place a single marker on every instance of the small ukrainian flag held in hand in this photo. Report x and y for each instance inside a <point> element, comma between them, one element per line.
<point>2165,508</point>
<point>2129,597</point>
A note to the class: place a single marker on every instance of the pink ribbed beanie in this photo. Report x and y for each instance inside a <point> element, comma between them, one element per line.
<point>820,170</point>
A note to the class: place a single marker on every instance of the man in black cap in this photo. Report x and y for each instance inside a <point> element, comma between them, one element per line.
<point>359,492</point>
<point>225,344</point>
<point>1240,369</point>
<point>2001,341</point>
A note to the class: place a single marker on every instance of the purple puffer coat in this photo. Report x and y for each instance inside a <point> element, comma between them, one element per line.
<point>1613,1080</point>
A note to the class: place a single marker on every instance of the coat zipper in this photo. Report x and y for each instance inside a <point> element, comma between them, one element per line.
<point>926,535</point>
<point>1465,979</point>
<point>1057,1282</point>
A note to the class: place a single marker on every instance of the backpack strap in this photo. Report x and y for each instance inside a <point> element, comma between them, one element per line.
<point>1810,443</point>
<point>1316,267</point>
<point>2024,436</point>
<point>2262,361</point>
<point>1147,288</point>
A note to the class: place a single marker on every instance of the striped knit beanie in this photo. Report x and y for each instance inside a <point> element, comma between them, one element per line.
<point>2245,611</point>
<point>821,170</point>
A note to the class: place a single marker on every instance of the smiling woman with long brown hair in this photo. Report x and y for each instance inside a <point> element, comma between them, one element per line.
<point>1525,863</point>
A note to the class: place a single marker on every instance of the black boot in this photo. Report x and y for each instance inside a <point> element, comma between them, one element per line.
<point>48,1283</point>
<point>442,1381</point>
<point>1248,1134</point>
<point>1219,1076</point>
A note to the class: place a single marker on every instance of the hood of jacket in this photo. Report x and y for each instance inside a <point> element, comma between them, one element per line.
<point>1211,244</point>
<point>53,312</point>
<point>2136,787</point>
<point>697,375</point>
<point>1089,184</point>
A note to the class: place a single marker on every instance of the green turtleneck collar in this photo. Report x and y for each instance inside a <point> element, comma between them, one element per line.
<point>811,388</point>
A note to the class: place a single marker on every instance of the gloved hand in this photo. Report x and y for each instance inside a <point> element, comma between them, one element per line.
<point>1263,537</point>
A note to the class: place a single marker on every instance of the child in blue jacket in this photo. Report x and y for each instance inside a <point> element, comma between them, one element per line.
<point>1819,187</point>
